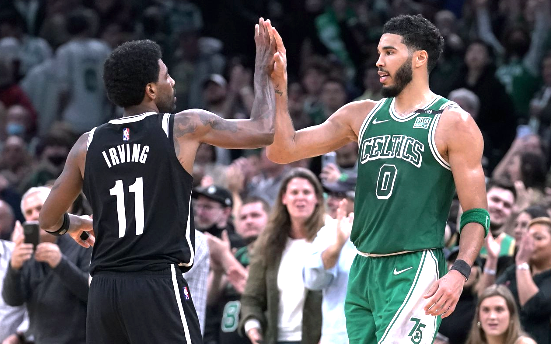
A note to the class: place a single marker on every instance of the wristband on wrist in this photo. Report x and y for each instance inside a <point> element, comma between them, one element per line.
<point>478,215</point>
<point>523,266</point>
<point>490,271</point>
<point>462,267</point>
<point>64,226</point>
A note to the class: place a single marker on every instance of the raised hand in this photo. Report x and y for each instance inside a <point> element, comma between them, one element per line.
<point>526,248</point>
<point>21,252</point>
<point>279,73</point>
<point>330,173</point>
<point>492,247</point>
<point>265,46</point>
<point>344,224</point>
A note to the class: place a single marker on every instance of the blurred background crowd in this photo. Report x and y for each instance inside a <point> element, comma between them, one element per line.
<point>496,65</point>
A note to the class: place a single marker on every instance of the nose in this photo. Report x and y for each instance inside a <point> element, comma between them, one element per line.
<point>34,216</point>
<point>379,62</point>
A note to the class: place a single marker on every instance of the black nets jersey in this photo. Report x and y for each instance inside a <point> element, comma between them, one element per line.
<point>140,196</point>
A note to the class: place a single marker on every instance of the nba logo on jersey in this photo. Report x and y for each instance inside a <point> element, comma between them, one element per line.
<point>186,293</point>
<point>422,122</point>
<point>126,134</point>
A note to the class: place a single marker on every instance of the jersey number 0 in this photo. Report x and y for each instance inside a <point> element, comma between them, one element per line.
<point>137,189</point>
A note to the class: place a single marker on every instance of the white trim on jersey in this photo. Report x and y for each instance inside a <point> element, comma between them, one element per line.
<point>367,119</point>
<point>166,118</point>
<point>188,238</point>
<point>402,324</point>
<point>411,115</point>
<point>131,119</point>
<point>432,143</point>
<point>179,303</point>
<point>90,138</point>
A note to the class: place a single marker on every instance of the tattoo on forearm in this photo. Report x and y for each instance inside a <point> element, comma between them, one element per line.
<point>278,91</point>
<point>217,123</point>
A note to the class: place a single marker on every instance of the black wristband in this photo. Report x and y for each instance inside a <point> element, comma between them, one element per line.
<point>64,226</point>
<point>463,267</point>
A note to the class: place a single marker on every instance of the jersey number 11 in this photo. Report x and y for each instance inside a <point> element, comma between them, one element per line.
<point>137,189</point>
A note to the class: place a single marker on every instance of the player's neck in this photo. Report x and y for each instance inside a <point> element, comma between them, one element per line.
<point>414,96</point>
<point>139,109</point>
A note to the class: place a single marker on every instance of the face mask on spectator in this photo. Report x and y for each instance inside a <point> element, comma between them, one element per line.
<point>15,128</point>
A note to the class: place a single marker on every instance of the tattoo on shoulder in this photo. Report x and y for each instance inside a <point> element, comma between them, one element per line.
<point>184,125</point>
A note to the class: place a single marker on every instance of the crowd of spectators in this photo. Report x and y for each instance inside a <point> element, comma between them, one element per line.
<point>263,271</point>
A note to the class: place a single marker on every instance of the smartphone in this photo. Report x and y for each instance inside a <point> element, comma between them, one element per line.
<point>31,230</point>
<point>328,158</point>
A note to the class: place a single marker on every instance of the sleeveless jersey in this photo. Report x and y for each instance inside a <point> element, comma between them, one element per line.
<point>404,187</point>
<point>140,196</point>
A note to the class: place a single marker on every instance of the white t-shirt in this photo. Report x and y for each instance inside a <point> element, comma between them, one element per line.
<point>291,290</point>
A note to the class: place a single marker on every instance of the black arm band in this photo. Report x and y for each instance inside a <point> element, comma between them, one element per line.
<point>463,267</point>
<point>64,226</point>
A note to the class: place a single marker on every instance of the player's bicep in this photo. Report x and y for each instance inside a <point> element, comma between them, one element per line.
<point>465,148</point>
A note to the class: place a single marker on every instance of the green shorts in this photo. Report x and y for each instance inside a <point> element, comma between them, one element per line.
<point>384,303</point>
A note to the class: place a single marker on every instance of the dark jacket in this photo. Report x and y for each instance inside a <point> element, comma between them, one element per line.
<point>536,312</point>
<point>56,299</point>
<point>260,301</point>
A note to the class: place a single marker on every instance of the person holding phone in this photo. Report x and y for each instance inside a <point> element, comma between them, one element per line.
<point>51,280</point>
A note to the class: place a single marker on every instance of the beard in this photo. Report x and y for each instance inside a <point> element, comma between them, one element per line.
<point>402,78</point>
<point>166,104</point>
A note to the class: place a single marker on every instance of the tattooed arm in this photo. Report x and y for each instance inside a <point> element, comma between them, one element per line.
<point>339,129</point>
<point>192,127</point>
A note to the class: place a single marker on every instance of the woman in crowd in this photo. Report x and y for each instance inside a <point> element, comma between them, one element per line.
<point>276,307</point>
<point>496,319</point>
<point>523,219</point>
<point>530,279</point>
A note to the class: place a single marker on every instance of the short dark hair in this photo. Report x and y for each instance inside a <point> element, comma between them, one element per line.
<point>257,199</point>
<point>501,184</point>
<point>417,34</point>
<point>536,211</point>
<point>128,69</point>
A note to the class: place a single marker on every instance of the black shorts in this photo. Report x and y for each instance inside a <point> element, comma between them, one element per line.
<point>141,307</point>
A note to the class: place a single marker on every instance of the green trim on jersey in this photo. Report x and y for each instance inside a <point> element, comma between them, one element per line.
<point>404,187</point>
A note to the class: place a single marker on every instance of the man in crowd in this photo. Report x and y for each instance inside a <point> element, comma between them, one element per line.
<point>229,271</point>
<point>51,280</point>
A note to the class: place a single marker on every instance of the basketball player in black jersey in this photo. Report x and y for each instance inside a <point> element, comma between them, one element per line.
<point>136,173</point>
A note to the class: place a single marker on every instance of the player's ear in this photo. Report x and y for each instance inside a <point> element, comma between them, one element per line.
<point>420,57</point>
<point>151,90</point>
